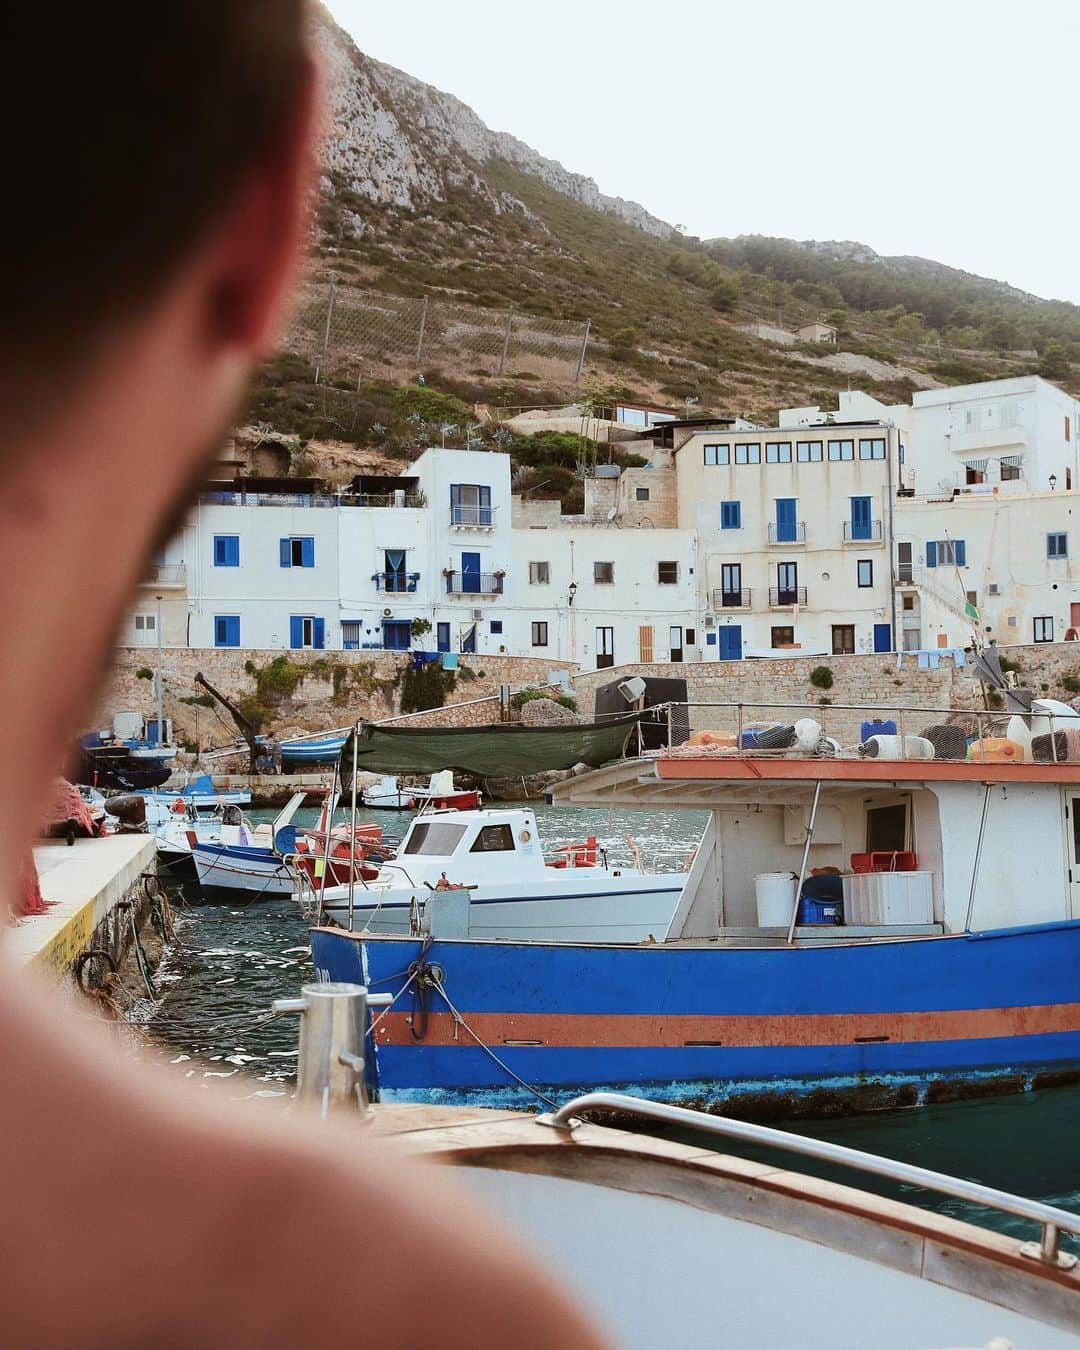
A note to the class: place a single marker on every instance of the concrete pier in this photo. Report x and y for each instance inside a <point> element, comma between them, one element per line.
<point>92,886</point>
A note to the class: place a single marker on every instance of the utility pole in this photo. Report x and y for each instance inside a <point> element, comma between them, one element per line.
<point>158,679</point>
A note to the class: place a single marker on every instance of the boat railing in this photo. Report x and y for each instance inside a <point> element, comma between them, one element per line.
<point>718,728</point>
<point>1051,1221</point>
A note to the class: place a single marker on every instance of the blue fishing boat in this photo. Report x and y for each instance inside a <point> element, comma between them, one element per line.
<point>855,930</point>
<point>310,750</point>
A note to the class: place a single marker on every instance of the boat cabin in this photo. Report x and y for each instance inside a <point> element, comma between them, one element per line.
<point>505,844</point>
<point>872,847</point>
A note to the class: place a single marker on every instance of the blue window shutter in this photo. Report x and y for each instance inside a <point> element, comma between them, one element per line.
<point>307,552</point>
<point>219,550</point>
<point>286,552</point>
<point>227,630</point>
<point>931,553</point>
<point>296,630</point>
<point>960,552</point>
<point>736,511</point>
<point>319,633</point>
<point>234,630</point>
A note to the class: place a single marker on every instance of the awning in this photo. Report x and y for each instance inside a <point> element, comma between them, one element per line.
<point>502,750</point>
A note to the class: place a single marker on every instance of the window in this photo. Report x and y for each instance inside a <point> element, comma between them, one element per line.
<point>1068,429</point>
<point>397,635</point>
<point>909,604</point>
<point>667,573</point>
<point>470,504</point>
<point>435,837</point>
<point>1044,629</point>
<point>974,475</point>
<point>494,839</point>
<point>808,452</point>
<point>731,515</point>
<point>605,648</point>
<point>298,551</point>
<point>841,450</point>
<point>731,585</point>
<point>603,573</point>
<point>748,454</point>
<point>691,637</point>
<point>1010,468</point>
<point>539,573</point>
<point>305,630</point>
<point>496,626</point>
<point>717,454</point>
<point>787,583</point>
<point>226,630</point>
<point>1057,545</point>
<point>782,637</point>
<point>641,494</point>
<point>147,622</point>
<point>442,637</point>
<point>539,635</point>
<point>350,635</point>
<point>645,643</point>
<point>843,639</point>
<point>226,550</point>
<point>946,553</point>
<point>865,569</point>
<point>873,448</point>
<point>1068,479</point>
<point>862,520</point>
<point>778,452</point>
<point>468,638</point>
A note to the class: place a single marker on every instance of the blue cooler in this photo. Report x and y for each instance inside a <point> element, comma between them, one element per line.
<point>869,729</point>
<point>813,911</point>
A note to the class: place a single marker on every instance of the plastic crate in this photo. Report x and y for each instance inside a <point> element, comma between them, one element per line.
<point>820,911</point>
<point>900,861</point>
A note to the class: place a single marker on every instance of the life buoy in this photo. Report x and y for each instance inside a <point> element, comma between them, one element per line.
<point>178,808</point>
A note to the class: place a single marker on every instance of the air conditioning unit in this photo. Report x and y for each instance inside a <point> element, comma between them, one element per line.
<point>478,613</point>
<point>710,620</point>
<point>388,613</point>
<point>993,589</point>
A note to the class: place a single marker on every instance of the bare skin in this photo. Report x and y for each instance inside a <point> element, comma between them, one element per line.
<point>135,1215</point>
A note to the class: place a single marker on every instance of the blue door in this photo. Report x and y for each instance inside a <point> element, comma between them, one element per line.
<point>442,637</point>
<point>470,573</point>
<point>861,525</point>
<point>883,637</point>
<point>786,527</point>
<point>731,642</point>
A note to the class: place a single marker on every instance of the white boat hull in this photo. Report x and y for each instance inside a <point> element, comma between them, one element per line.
<point>576,905</point>
<point>240,871</point>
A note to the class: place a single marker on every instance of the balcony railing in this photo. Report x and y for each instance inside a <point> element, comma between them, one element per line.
<point>397,583</point>
<point>862,532</point>
<point>383,499</point>
<point>473,517</point>
<point>784,597</point>
<point>292,499</point>
<point>722,599</point>
<point>166,574</point>
<point>793,532</point>
<point>474,583</point>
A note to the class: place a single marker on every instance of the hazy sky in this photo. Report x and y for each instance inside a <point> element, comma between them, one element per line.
<point>945,129</point>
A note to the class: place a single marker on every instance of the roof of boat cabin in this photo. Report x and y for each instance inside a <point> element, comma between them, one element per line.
<point>683,780</point>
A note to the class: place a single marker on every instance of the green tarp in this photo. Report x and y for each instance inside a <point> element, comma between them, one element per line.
<point>494,751</point>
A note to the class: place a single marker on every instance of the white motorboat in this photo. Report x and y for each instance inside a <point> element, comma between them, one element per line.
<point>251,859</point>
<point>494,858</point>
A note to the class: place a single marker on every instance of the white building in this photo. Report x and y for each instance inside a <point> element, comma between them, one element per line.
<point>794,531</point>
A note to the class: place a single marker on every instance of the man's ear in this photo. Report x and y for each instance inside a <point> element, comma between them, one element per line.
<point>254,258</point>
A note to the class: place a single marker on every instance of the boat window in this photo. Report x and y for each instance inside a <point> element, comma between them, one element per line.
<point>494,839</point>
<point>435,837</point>
<point>886,829</point>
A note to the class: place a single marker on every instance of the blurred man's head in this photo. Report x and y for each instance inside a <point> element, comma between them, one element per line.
<point>156,166</point>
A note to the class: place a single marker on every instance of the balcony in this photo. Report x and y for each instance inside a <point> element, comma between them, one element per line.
<point>862,532</point>
<point>167,576</point>
<point>385,500</point>
<point>474,583</point>
<point>472,517</point>
<point>792,532</point>
<point>722,599</point>
<point>396,583</point>
<point>786,597</point>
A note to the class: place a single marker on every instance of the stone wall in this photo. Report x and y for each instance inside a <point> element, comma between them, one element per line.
<point>341,687</point>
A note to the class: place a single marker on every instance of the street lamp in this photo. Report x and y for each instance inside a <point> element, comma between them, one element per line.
<point>572,593</point>
<point>1053,481</point>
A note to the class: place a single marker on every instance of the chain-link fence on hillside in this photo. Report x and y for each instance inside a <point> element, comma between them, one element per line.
<point>341,326</point>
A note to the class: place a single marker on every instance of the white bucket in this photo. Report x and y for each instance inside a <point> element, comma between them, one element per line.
<point>775,896</point>
<point>889,747</point>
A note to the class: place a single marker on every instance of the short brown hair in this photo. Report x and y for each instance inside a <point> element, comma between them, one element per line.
<point>129,126</point>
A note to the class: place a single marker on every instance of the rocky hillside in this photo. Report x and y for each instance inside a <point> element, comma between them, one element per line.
<point>421,199</point>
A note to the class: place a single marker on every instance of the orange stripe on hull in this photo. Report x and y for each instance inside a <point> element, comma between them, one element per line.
<point>735,1031</point>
